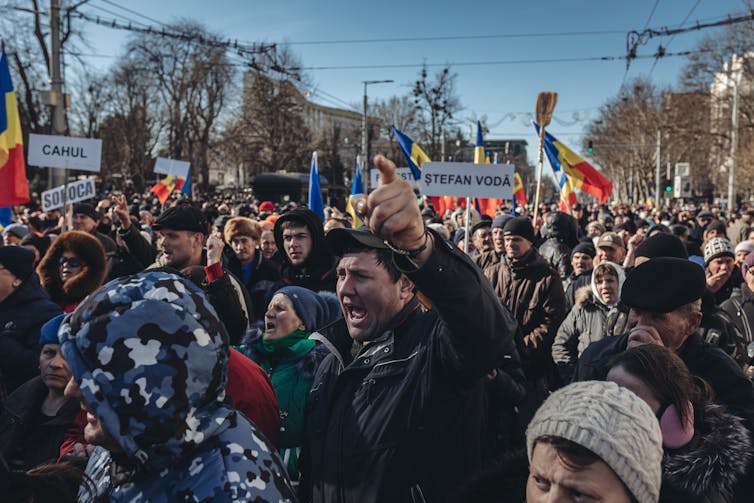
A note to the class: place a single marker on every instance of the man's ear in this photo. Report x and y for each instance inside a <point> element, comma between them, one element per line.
<point>407,287</point>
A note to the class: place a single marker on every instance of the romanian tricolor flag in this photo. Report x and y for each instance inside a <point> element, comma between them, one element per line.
<point>357,187</point>
<point>573,172</point>
<point>415,156</point>
<point>14,188</point>
<point>483,206</point>
<point>519,194</point>
<point>166,186</point>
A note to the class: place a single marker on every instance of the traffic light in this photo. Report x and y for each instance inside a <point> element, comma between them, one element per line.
<point>668,186</point>
<point>590,147</point>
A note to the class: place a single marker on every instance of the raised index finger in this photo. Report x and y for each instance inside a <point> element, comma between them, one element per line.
<point>387,169</point>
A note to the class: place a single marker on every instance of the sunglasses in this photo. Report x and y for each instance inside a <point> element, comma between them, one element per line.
<point>71,261</point>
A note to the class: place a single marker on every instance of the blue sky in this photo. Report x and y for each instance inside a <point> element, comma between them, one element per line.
<point>495,90</point>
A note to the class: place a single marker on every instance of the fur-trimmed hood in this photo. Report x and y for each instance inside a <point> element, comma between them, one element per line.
<point>714,461</point>
<point>87,248</point>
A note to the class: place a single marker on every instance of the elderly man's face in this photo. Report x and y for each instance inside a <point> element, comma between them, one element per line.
<point>581,262</point>
<point>483,239</point>
<point>610,254</point>
<point>721,265</point>
<point>498,239</point>
<point>673,327</point>
<point>368,295</point>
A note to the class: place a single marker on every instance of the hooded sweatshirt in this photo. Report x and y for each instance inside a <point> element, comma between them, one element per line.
<point>151,358</point>
<point>318,270</point>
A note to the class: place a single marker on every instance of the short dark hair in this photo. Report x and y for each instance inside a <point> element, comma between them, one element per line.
<point>384,258</point>
<point>571,454</point>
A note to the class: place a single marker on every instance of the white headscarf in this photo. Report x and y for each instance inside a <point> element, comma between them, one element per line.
<point>621,278</point>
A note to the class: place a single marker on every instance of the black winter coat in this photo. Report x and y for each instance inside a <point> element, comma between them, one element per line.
<point>732,389</point>
<point>404,419</point>
<point>22,435</point>
<point>558,255</point>
<point>741,308</point>
<point>22,315</point>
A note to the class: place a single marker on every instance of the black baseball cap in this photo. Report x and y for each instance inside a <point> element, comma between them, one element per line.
<point>183,217</point>
<point>341,239</point>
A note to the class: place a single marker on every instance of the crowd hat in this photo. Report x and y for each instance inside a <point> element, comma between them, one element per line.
<point>717,247</point>
<point>613,423</point>
<point>663,284</point>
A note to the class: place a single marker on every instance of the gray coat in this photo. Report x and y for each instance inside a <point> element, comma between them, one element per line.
<point>587,322</point>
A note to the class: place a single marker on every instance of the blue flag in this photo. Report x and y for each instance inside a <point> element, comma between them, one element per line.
<point>6,216</point>
<point>186,189</point>
<point>356,186</point>
<point>315,190</point>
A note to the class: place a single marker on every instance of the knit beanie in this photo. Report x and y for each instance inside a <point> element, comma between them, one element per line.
<point>315,309</point>
<point>499,221</point>
<point>587,248</point>
<point>613,423</point>
<point>18,260</point>
<point>717,247</point>
<point>661,245</point>
<point>49,333</point>
<point>519,226</point>
<point>747,246</point>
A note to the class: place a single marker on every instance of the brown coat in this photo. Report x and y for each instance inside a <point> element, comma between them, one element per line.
<point>532,290</point>
<point>91,277</point>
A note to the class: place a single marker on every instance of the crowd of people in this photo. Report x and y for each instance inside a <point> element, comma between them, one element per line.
<point>231,349</point>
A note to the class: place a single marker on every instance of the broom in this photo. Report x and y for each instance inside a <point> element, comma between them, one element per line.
<point>545,105</point>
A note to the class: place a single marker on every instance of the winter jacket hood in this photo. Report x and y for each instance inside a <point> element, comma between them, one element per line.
<point>73,290</point>
<point>716,458</point>
<point>116,344</point>
<point>151,357</point>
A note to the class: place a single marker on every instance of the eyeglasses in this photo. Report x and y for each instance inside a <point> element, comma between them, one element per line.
<point>70,261</point>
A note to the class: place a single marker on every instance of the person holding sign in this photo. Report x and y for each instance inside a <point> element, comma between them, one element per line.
<point>397,410</point>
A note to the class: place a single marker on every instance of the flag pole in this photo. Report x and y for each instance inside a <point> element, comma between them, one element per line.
<point>545,105</point>
<point>466,233</point>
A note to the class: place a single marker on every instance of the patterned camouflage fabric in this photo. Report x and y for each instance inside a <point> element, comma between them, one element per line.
<point>151,358</point>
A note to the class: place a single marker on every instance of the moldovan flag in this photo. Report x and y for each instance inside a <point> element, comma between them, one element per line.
<point>356,188</point>
<point>518,190</point>
<point>415,156</point>
<point>14,188</point>
<point>483,206</point>
<point>573,172</point>
<point>166,186</point>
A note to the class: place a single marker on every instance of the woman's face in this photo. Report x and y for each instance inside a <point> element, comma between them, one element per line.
<point>53,368</point>
<point>631,382</point>
<point>607,287</point>
<point>281,318</point>
<point>551,480</point>
<point>69,265</point>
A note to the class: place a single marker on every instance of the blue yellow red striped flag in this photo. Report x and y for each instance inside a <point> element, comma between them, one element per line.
<point>573,172</point>
<point>14,187</point>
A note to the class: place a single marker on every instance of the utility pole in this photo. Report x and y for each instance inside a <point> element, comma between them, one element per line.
<point>365,131</point>
<point>57,99</point>
<point>733,143</point>
<point>658,167</point>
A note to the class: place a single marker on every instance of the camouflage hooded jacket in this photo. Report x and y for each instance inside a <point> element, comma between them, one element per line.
<point>151,356</point>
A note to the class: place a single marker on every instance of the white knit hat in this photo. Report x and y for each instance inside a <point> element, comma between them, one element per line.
<point>613,423</point>
<point>717,247</point>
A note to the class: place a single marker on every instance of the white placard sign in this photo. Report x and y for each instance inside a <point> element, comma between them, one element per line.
<point>404,173</point>
<point>80,190</point>
<point>166,166</point>
<point>49,151</point>
<point>466,179</point>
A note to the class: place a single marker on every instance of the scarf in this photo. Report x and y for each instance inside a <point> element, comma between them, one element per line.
<point>298,338</point>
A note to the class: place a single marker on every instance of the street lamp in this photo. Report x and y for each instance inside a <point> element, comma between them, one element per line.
<point>364,135</point>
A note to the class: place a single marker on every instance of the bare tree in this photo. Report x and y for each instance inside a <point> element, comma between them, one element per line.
<point>192,77</point>
<point>436,103</point>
